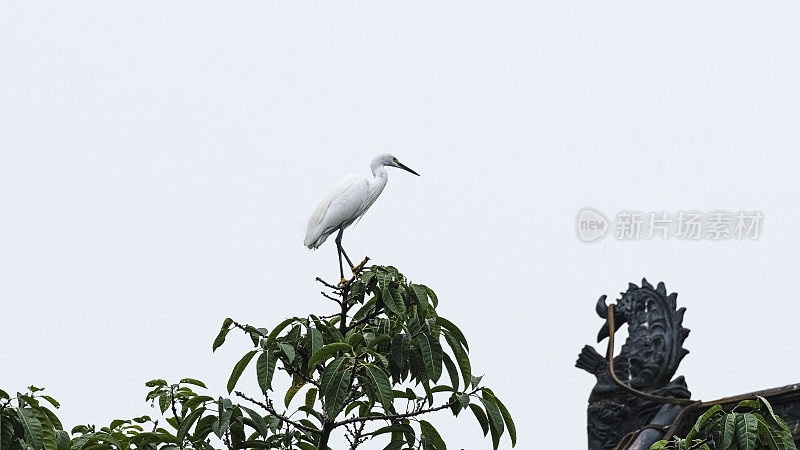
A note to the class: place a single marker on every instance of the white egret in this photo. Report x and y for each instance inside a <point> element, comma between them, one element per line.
<point>346,203</point>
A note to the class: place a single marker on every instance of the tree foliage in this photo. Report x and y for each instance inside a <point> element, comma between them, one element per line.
<point>751,425</point>
<point>370,371</point>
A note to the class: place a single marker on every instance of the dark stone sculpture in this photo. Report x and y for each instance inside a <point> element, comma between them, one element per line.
<point>647,362</point>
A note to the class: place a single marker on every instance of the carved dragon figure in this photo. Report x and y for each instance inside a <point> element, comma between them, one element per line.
<point>647,362</point>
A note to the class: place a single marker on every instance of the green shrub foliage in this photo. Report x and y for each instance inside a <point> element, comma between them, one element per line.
<point>751,425</point>
<point>370,372</point>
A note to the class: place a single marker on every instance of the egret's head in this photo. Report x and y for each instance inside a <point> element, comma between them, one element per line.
<point>390,160</point>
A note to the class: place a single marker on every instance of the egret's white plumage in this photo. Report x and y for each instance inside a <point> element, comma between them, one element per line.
<point>347,202</point>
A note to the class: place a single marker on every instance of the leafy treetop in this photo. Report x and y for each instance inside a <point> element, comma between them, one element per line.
<point>370,371</point>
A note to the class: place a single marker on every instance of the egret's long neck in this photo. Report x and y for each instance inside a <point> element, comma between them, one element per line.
<point>379,176</point>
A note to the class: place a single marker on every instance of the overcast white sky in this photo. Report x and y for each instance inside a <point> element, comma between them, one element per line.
<point>158,161</point>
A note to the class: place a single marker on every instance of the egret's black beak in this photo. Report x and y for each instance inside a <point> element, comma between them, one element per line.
<point>406,168</point>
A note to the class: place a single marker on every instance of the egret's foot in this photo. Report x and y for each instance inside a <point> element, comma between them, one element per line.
<point>360,266</point>
<point>343,281</point>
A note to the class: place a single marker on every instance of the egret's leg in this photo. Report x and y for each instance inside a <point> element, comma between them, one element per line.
<point>348,259</point>
<point>341,252</point>
<point>341,249</point>
<point>341,270</point>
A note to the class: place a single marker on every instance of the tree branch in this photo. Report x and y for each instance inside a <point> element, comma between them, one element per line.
<point>366,319</point>
<point>331,298</point>
<point>400,416</point>
<point>268,407</point>
<point>328,285</point>
<point>305,377</point>
<point>172,402</point>
<point>356,433</point>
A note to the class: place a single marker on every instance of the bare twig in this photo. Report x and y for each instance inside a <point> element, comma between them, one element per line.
<point>355,432</point>
<point>226,439</point>
<point>331,298</point>
<point>328,285</point>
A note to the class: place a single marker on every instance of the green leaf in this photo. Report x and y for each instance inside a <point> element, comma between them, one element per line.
<point>193,381</point>
<point>51,400</point>
<point>32,428</point>
<point>429,431</point>
<point>432,295</point>
<point>747,404</point>
<point>265,369</point>
<point>454,404</point>
<point>277,330</point>
<point>495,420</point>
<point>239,368</point>
<point>451,370</point>
<point>512,429</point>
<point>769,416</point>
<point>352,406</point>
<point>451,327</point>
<point>461,356</point>
<point>297,384</point>
<point>431,356</point>
<point>255,333</point>
<point>311,397</point>
<point>354,339</point>
<point>725,431</point>
<point>401,349</point>
<point>158,382</point>
<point>421,295</point>
<point>408,393</point>
<point>225,411</point>
<point>746,430</point>
<point>383,279</point>
<point>48,431</point>
<point>83,441</point>
<point>463,399</point>
<point>334,386</point>
<point>476,381</point>
<point>164,402</point>
<point>701,421</point>
<point>188,421</point>
<point>770,436</point>
<point>428,392</point>
<point>398,427</point>
<point>258,421</point>
<point>326,352</point>
<point>380,383</point>
<point>62,440</point>
<point>288,350</point>
<point>223,332</point>
<point>194,402</point>
<point>365,310</point>
<point>481,416</point>
<point>315,340</point>
<point>52,417</point>
<point>394,303</point>
<point>378,340</point>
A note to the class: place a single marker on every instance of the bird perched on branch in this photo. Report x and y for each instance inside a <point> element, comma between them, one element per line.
<point>346,203</point>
